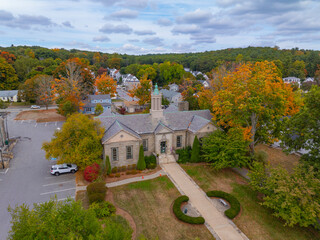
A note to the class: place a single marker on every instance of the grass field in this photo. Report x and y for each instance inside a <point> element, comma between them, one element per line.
<point>255,221</point>
<point>149,203</point>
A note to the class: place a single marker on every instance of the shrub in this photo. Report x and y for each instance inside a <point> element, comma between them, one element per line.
<point>151,161</point>
<point>117,174</point>
<point>98,110</point>
<point>103,209</point>
<point>114,170</point>
<point>108,165</point>
<point>195,154</point>
<point>96,187</point>
<point>181,216</point>
<point>91,172</point>
<point>134,166</point>
<point>260,156</point>
<point>96,197</point>
<point>234,209</point>
<point>96,192</point>
<point>184,154</point>
<point>141,162</point>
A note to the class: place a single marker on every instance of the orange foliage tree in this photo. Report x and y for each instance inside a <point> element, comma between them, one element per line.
<point>106,85</point>
<point>254,99</point>
<point>9,57</point>
<point>142,91</point>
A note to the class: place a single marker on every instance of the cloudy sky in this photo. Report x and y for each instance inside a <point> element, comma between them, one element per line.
<point>154,26</point>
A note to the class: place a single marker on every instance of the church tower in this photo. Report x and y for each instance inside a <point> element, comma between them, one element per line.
<point>156,110</point>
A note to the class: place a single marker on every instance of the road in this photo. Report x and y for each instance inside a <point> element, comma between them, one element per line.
<point>28,180</point>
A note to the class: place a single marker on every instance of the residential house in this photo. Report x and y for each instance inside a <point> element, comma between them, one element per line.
<point>174,87</point>
<point>204,83</point>
<point>172,96</point>
<point>130,81</point>
<point>292,80</point>
<point>309,79</point>
<point>159,132</point>
<point>93,100</point>
<point>9,95</point>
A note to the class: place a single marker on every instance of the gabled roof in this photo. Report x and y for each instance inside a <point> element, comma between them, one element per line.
<point>162,126</point>
<point>8,93</point>
<point>143,123</point>
<point>115,128</point>
<point>197,123</point>
<point>169,94</point>
<point>99,97</point>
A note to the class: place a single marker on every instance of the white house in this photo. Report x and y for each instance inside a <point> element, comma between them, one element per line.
<point>9,95</point>
<point>172,96</point>
<point>173,87</point>
<point>292,80</point>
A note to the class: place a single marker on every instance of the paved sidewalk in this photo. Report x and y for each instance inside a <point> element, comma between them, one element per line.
<point>222,227</point>
<point>129,180</point>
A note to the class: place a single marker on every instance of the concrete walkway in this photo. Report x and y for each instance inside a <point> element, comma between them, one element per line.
<point>220,226</point>
<point>129,180</point>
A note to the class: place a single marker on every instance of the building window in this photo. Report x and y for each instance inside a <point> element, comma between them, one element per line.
<point>145,144</point>
<point>179,140</point>
<point>114,153</point>
<point>129,152</point>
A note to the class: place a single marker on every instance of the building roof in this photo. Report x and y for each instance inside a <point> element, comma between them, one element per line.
<point>8,93</point>
<point>99,97</point>
<point>115,128</point>
<point>168,94</point>
<point>91,105</point>
<point>143,123</point>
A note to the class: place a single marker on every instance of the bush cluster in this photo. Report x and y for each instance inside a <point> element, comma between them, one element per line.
<point>234,210</point>
<point>91,172</point>
<point>132,172</point>
<point>96,192</point>
<point>181,216</point>
<point>184,154</point>
<point>103,209</point>
<point>151,161</point>
<point>124,168</point>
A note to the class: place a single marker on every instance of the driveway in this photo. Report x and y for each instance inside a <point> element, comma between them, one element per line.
<point>28,180</point>
<point>222,227</point>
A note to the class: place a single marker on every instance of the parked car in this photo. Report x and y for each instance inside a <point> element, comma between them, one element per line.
<point>63,168</point>
<point>35,107</point>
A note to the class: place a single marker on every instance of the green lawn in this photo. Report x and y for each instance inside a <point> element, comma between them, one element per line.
<point>255,221</point>
<point>149,203</point>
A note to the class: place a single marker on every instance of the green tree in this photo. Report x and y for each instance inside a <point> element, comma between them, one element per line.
<point>98,110</point>
<point>2,105</point>
<point>79,141</point>
<point>24,66</point>
<point>195,154</point>
<point>293,197</point>
<point>64,220</point>
<point>66,108</point>
<point>8,77</point>
<point>223,150</point>
<point>141,165</point>
<point>302,130</point>
<point>108,165</point>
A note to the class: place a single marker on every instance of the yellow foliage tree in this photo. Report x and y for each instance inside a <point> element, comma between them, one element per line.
<point>254,99</point>
<point>142,91</point>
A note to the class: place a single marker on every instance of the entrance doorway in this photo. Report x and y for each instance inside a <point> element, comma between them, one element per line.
<point>163,147</point>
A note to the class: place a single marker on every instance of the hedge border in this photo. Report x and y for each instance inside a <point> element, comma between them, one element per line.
<point>181,216</point>
<point>234,209</point>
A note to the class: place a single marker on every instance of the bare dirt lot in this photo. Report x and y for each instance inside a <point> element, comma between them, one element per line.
<point>49,115</point>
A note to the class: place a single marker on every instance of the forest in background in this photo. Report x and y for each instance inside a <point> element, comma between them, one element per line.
<point>28,61</point>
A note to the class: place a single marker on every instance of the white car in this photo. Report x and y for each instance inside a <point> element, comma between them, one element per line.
<point>35,107</point>
<point>63,168</point>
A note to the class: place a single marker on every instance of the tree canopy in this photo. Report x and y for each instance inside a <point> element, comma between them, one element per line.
<point>64,220</point>
<point>78,142</point>
<point>106,85</point>
<point>255,99</point>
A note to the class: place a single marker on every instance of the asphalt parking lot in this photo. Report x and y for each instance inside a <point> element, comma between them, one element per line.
<point>28,180</point>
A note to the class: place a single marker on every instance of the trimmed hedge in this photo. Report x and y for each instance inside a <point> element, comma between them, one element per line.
<point>181,216</point>
<point>103,209</point>
<point>234,210</point>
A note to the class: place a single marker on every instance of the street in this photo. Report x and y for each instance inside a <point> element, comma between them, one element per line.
<point>28,180</point>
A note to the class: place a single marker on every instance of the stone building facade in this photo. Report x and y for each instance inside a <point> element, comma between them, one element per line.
<point>160,132</point>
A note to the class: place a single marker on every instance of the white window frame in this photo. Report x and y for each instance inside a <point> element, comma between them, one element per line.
<point>145,144</point>
<point>179,143</point>
<point>129,155</point>
<point>116,156</point>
